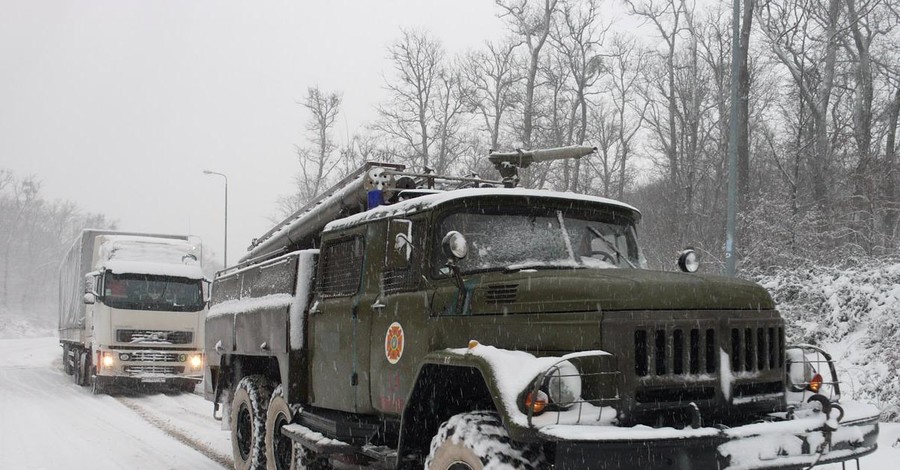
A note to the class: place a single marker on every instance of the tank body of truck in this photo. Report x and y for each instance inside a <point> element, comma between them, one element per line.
<point>131,310</point>
<point>504,327</point>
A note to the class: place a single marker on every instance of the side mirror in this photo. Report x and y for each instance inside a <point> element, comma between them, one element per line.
<point>91,282</point>
<point>454,246</point>
<point>206,290</point>
<point>399,249</point>
<point>689,260</point>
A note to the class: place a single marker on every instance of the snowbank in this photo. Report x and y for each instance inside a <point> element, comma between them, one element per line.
<point>854,313</point>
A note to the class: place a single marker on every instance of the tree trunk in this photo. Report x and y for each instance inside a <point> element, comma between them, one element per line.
<point>743,143</point>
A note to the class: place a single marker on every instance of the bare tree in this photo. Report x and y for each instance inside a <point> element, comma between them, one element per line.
<point>491,76</point>
<point>531,21</point>
<point>409,116</point>
<point>667,18</point>
<point>626,61</point>
<point>793,29</point>
<point>579,36</point>
<point>316,161</point>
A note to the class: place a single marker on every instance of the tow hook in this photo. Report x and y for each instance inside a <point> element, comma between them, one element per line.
<point>834,413</point>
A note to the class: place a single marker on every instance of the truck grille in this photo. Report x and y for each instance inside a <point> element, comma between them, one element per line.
<point>757,349</point>
<point>165,370</point>
<point>153,356</point>
<point>154,336</point>
<point>692,351</point>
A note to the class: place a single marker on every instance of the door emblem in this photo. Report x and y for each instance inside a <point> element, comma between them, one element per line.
<point>393,343</point>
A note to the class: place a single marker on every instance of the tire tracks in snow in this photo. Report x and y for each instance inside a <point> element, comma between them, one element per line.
<point>179,435</point>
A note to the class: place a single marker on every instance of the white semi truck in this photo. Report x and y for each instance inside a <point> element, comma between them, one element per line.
<point>131,310</point>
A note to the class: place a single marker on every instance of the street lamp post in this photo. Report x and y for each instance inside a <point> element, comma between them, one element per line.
<point>225,250</point>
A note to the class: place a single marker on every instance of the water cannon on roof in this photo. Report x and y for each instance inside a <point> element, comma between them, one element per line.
<point>508,163</point>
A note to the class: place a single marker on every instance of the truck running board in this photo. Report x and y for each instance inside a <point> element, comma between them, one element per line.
<point>382,457</point>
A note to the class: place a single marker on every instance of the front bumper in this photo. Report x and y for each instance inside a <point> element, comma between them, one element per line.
<point>782,444</point>
<point>135,366</point>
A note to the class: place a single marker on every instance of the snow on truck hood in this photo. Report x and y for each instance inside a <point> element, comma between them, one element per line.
<point>426,202</point>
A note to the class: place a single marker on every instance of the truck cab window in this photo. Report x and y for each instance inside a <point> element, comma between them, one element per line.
<point>341,267</point>
<point>150,292</point>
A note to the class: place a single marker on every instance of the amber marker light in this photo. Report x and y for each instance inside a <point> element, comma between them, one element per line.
<point>536,402</point>
<point>816,383</point>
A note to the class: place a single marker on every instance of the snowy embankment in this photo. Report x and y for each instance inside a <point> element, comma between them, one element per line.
<point>854,313</point>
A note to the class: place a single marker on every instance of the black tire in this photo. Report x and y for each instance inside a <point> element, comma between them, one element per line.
<point>66,365</point>
<point>478,441</point>
<point>279,449</point>
<point>248,422</point>
<point>82,368</point>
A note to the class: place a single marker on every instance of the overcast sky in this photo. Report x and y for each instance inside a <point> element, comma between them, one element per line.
<point>119,105</point>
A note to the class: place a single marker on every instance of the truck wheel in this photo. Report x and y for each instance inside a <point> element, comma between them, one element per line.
<point>66,366</point>
<point>279,449</point>
<point>478,441</point>
<point>248,422</point>
<point>82,369</point>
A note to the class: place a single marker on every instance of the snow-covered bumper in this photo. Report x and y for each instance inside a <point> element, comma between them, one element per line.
<point>784,444</point>
<point>148,366</point>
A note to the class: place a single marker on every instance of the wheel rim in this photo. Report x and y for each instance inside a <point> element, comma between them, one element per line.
<point>244,431</point>
<point>283,446</point>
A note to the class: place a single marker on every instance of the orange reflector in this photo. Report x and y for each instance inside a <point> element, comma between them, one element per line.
<point>816,383</point>
<point>537,404</point>
<point>473,343</point>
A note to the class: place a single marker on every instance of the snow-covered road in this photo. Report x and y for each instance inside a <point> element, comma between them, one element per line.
<point>48,422</point>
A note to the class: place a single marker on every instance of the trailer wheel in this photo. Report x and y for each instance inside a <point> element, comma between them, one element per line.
<point>66,365</point>
<point>478,441</point>
<point>279,449</point>
<point>248,422</point>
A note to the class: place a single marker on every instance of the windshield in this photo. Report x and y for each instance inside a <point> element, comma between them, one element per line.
<point>149,292</point>
<point>516,238</point>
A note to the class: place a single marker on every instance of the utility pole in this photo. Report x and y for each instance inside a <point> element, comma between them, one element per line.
<point>225,249</point>
<point>731,218</point>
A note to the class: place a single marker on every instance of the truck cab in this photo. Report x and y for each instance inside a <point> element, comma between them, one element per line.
<point>138,319</point>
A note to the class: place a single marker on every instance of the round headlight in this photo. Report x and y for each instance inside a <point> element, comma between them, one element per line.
<point>454,245</point>
<point>689,260</point>
<point>563,384</point>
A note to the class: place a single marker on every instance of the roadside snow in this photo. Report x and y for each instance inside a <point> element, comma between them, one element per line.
<point>854,314</point>
<point>48,422</point>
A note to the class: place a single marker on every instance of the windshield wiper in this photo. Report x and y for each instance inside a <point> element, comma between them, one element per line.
<point>538,265</point>
<point>611,246</point>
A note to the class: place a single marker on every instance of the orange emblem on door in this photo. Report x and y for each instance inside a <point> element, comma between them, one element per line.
<point>393,343</point>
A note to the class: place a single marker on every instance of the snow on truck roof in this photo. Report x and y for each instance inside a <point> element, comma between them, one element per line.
<point>422,203</point>
<point>127,254</point>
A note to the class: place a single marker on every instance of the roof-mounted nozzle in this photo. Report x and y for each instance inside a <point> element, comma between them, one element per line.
<point>508,163</point>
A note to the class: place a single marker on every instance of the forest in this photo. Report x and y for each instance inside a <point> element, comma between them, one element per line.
<point>819,88</point>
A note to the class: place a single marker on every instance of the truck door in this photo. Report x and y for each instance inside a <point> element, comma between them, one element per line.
<point>399,318</point>
<point>334,328</point>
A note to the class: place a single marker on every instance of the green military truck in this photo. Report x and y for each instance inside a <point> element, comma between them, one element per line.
<point>388,324</point>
